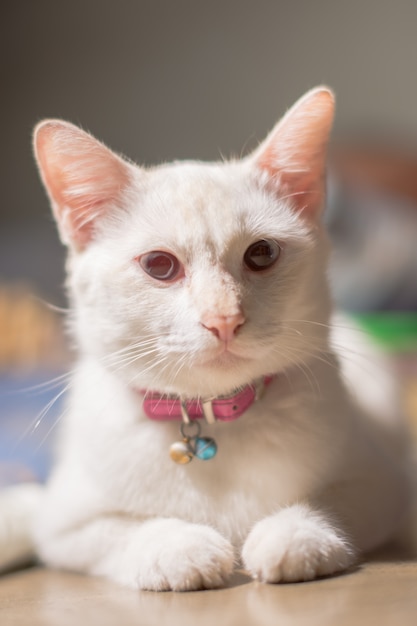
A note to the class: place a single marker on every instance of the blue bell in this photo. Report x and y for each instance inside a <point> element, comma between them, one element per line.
<point>205,448</point>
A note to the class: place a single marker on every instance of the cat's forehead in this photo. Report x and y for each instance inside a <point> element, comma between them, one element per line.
<point>201,203</point>
<point>201,192</point>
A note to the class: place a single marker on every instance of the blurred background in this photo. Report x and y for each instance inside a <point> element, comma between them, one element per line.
<point>158,80</point>
<point>161,79</point>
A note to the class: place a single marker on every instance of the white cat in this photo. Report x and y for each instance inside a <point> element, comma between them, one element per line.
<point>198,282</point>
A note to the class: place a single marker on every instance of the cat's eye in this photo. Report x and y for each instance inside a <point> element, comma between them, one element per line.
<point>261,255</point>
<point>161,265</point>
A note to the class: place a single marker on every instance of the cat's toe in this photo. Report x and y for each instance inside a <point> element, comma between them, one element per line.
<point>196,557</point>
<point>295,545</point>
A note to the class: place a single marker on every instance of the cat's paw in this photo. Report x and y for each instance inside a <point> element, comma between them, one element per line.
<point>180,556</point>
<point>296,544</point>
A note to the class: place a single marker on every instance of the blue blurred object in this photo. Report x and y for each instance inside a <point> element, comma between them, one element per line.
<point>30,409</point>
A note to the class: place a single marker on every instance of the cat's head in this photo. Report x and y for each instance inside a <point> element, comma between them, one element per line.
<point>195,277</point>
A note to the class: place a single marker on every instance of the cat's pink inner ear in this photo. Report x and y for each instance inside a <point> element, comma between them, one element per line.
<point>293,156</point>
<point>84,179</point>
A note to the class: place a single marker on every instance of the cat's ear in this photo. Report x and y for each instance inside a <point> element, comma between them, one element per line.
<point>83,178</point>
<point>292,159</point>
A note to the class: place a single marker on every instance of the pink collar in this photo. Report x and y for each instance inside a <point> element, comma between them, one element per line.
<point>224,408</point>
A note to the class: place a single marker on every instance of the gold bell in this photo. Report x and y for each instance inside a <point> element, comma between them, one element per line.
<point>180,452</point>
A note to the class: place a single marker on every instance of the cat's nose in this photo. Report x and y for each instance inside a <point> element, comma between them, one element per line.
<point>224,327</point>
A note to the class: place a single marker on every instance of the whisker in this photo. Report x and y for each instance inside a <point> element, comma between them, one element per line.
<point>127,361</point>
<point>47,385</point>
<point>301,365</point>
<point>51,429</point>
<point>52,307</point>
<point>148,369</point>
<point>36,422</point>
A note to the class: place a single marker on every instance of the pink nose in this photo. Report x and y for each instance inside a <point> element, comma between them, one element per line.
<point>224,327</point>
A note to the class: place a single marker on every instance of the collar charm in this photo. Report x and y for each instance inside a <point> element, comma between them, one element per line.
<point>192,445</point>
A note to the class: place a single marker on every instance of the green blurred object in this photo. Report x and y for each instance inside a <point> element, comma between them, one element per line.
<point>394,331</point>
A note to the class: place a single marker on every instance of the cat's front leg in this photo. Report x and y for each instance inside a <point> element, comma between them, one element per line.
<point>157,554</point>
<point>296,544</point>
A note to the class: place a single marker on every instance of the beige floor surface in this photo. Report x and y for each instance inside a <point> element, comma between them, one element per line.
<point>381,592</point>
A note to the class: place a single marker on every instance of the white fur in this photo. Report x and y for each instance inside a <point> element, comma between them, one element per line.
<point>18,506</point>
<point>302,481</point>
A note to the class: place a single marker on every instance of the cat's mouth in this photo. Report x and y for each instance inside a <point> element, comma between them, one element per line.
<point>223,356</point>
